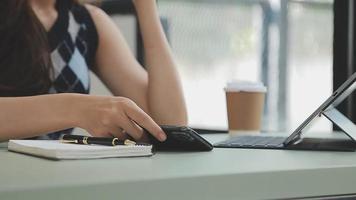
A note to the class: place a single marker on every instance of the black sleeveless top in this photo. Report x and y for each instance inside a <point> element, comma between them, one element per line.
<point>73,42</point>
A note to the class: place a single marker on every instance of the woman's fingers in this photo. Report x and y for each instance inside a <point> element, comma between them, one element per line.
<point>144,137</point>
<point>113,115</point>
<point>130,128</point>
<point>136,114</point>
<point>118,132</point>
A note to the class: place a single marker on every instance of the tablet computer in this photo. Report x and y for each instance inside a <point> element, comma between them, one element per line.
<point>295,139</point>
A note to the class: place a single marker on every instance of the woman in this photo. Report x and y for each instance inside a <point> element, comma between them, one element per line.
<point>46,49</point>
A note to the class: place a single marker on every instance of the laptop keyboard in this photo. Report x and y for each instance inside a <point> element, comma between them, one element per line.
<point>249,141</point>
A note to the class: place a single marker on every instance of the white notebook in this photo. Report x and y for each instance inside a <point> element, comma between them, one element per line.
<point>54,149</point>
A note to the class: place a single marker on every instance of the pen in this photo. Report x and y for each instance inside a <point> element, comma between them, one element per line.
<point>80,139</point>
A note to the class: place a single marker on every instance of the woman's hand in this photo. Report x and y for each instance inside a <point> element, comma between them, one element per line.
<point>106,116</point>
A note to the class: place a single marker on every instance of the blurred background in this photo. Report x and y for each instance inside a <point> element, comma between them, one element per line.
<point>286,44</point>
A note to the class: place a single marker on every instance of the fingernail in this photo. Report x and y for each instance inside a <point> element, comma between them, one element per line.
<point>162,137</point>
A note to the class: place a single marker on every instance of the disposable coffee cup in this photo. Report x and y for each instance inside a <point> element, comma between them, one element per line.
<point>245,103</point>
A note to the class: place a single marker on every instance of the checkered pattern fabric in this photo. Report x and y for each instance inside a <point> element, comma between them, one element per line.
<point>73,42</point>
<point>70,67</point>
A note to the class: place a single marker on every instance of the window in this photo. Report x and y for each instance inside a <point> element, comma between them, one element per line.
<point>309,59</point>
<point>213,41</point>
<point>286,44</point>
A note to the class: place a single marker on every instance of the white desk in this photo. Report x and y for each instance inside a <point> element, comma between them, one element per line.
<point>220,174</point>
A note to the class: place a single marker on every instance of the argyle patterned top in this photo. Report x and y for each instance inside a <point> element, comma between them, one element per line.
<point>73,41</point>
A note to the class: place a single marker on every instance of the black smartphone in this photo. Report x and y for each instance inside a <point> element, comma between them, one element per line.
<point>180,138</point>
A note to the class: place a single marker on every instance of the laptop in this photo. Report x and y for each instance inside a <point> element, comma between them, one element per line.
<point>295,140</point>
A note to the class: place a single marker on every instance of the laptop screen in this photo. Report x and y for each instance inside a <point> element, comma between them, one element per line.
<point>336,98</point>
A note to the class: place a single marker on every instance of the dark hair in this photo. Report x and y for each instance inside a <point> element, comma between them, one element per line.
<point>25,63</point>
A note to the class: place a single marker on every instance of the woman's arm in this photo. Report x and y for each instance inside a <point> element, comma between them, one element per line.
<point>165,95</point>
<point>158,90</point>
<point>23,117</point>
